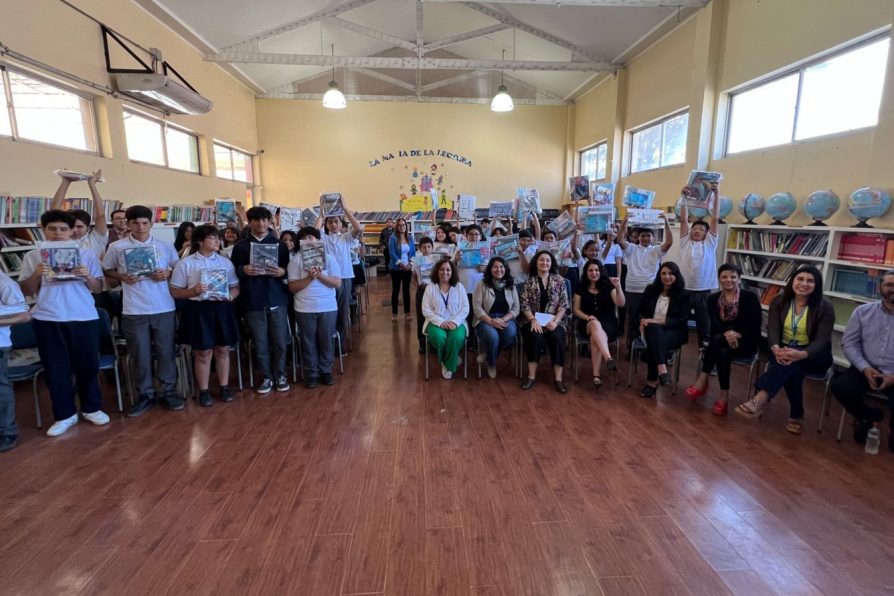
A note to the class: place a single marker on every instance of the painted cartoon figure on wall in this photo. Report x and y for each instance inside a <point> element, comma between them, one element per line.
<point>415,172</point>
<point>426,189</point>
<point>425,184</point>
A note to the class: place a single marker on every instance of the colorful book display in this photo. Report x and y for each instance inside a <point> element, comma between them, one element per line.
<point>866,248</point>
<point>141,261</point>
<point>63,257</point>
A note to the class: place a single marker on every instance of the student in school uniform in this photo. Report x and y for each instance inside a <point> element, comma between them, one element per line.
<point>208,323</point>
<point>338,262</point>
<point>12,299</point>
<point>316,309</point>
<point>698,263</point>
<point>95,239</point>
<point>421,281</point>
<point>148,322</point>
<point>65,328</point>
<point>263,301</point>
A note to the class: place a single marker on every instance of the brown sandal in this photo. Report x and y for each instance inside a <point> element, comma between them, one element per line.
<point>796,427</point>
<point>751,408</point>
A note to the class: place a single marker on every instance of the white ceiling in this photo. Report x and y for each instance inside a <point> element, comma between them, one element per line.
<point>605,33</point>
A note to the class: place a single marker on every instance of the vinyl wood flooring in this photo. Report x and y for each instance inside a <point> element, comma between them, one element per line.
<point>390,484</point>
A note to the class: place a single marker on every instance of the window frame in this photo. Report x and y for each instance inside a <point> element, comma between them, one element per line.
<point>660,123</point>
<point>91,115</point>
<point>164,142</point>
<point>799,69</point>
<point>231,149</point>
<point>595,147</point>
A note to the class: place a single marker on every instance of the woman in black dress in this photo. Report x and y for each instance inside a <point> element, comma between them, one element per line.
<point>595,303</point>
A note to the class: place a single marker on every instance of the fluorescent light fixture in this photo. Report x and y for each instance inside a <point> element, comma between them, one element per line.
<point>163,92</point>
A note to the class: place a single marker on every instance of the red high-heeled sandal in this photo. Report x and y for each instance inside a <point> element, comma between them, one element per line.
<point>720,408</point>
<point>693,394</point>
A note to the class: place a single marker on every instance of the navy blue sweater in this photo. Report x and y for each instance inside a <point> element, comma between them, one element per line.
<point>260,291</point>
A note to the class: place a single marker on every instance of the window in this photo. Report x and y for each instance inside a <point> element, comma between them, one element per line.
<point>836,94</point>
<point>46,113</point>
<point>659,145</point>
<point>232,163</point>
<point>157,142</point>
<point>593,162</point>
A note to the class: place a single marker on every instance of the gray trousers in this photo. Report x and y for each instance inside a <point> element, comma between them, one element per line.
<point>8,426</point>
<point>343,299</point>
<point>145,333</point>
<point>269,329</point>
<point>317,351</point>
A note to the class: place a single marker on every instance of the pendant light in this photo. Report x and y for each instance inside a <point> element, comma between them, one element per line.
<point>334,99</point>
<point>502,102</point>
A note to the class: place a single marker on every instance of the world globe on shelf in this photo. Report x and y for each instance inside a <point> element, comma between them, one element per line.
<point>726,207</point>
<point>696,212</point>
<point>751,206</point>
<point>867,203</point>
<point>821,205</point>
<point>780,207</point>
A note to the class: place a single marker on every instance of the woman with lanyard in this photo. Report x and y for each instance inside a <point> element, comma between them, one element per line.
<point>544,303</point>
<point>799,332</point>
<point>445,307</point>
<point>400,251</point>
<point>735,330</point>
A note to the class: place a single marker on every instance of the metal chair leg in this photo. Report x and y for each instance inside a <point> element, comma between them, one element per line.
<point>341,359</point>
<point>118,388</point>
<point>426,358</point>
<point>36,402</point>
<point>239,366</point>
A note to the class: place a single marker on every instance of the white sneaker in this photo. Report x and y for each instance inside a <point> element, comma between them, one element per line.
<point>98,417</point>
<point>60,426</point>
<point>446,373</point>
<point>481,358</point>
<point>492,372</point>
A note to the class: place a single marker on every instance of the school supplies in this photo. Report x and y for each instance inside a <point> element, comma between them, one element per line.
<point>603,194</point>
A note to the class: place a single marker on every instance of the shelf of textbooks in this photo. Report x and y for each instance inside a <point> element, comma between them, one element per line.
<point>852,261</point>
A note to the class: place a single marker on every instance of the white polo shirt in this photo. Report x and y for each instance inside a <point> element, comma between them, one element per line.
<point>698,263</point>
<point>64,301</point>
<point>188,272</point>
<point>94,241</point>
<point>147,296</point>
<point>10,295</point>
<point>642,265</point>
<point>317,297</point>
<point>338,255</point>
<point>519,276</point>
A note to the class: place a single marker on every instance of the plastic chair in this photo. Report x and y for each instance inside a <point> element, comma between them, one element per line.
<point>673,362</point>
<point>752,363</point>
<point>23,338</point>
<point>108,351</point>
<point>465,356</point>
<point>298,354</point>
<point>872,394</point>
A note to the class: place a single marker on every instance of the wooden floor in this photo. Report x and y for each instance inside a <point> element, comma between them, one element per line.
<point>386,483</point>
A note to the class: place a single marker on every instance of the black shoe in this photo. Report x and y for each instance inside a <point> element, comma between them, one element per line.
<point>204,399</point>
<point>664,379</point>
<point>282,384</point>
<point>8,442</point>
<point>327,379</point>
<point>610,364</point>
<point>311,382</point>
<point>173,402</point>
<point>527,384</point>
<point>144,404</point>
<point>226,394</point>
<point>861,429</point>
<point>560,387</point>
<point>648,392</point>
<point>265,387</point>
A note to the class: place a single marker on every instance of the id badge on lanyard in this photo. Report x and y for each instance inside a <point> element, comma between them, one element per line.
<point>795,321</point>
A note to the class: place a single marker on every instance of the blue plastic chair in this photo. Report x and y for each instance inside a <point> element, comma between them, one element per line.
<point>23,338</point>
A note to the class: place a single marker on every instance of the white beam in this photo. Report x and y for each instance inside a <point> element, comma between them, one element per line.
<point>414,99</point>
<point>457,79</point>
<point>308,20</point>
<point>449,41</point>
<point>380,35</point>
<point>407,63</point>
<point>621,3</point>
<point>419,46</point>
<point>388,79</point>
<point>536,32</point>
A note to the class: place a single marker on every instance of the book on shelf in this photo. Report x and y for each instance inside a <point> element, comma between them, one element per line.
<point>332,204</point>
<point>216,282</point>
<point>889,252</point>
<point>141,261</point>
<point>14,210</point>
<point>10,262</point>
<point>862,283</point>
<point>866,248</point>
<point>108,205</point>
<point>789,243</point>
<point>264,255</point>
<point>770,293</point>
<point>313,254</point>
<point>62,257</point>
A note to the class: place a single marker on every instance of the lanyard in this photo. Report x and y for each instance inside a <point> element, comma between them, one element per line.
<point>445,297</point>
<point>796,319</point>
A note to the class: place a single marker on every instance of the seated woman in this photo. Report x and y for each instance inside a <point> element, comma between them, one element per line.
<point>664,325</point>
<point>544,296</point>
<point>799,332</point>
<point>445,307</point>
<point>595,302</point>
<point>208,320</point>
<point>495,304</point>
<point>735,330</point>
<point>316,310</point>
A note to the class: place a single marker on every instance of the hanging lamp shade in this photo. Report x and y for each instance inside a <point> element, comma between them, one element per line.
<point>334,99</point>
<point>502,102</point>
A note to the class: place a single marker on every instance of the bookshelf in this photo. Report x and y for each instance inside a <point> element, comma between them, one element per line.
<point>851,260</point>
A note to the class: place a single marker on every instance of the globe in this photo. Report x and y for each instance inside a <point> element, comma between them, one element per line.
<point>866,203</point>
<point>780,206</point>
<point>752,206</point>
<point>726,207</point>
<point>696,212</point>
<point>821,205</point>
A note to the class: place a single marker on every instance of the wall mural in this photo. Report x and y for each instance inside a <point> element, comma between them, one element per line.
<point>426,185</point>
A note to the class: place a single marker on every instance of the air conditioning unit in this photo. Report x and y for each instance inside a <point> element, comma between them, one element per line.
<point>162,91</point>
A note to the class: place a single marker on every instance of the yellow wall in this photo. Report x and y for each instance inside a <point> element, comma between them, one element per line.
<point>49,31</point>
<point>308,149</point>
